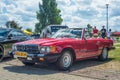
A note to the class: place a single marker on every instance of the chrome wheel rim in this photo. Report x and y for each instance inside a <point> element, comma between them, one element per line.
<point>66,60</point>
<point>104,53</point>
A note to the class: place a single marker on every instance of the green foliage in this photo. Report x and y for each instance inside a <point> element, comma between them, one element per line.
<point>117,38</point>
<point>48,14</point>
<point>89,28</point>
<point>29,29</point>
<point>13,24</point>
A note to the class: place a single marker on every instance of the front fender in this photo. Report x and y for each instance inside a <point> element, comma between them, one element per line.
<point>61,48</point>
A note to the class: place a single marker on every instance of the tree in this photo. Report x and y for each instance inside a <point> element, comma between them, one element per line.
<point>29,29</point>
<point>48,14</point>
<point>12,24</point>
<point>89,28</point>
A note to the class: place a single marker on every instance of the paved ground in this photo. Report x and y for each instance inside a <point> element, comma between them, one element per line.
<point>15,70</point>
<point>82,70</point>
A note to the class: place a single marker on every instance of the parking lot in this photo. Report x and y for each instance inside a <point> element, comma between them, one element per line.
<point>13,69</point>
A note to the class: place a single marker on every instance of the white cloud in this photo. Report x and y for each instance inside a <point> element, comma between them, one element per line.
<point>75,13</point>
<point>22,11</point>
<point>93,12</point>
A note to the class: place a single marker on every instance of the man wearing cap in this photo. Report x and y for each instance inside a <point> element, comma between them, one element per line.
<point>103,32</point>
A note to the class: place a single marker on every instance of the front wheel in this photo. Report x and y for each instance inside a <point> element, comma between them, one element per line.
<point>104,55</point>
<point>65,61</point>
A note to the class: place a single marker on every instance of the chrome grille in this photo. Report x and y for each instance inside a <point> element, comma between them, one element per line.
<point>28,48</point>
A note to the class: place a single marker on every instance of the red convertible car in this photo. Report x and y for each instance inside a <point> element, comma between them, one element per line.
<point>63,48</point>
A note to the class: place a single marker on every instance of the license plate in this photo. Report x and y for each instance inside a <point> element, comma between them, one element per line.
<point>29,58</point>
<point>21,54</point>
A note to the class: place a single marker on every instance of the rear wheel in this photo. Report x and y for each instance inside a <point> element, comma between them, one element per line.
<point>28,63</point>
<point>104,55</point>
<point>65,61</point>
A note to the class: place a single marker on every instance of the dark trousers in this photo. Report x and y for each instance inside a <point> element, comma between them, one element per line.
<point>103,35</point>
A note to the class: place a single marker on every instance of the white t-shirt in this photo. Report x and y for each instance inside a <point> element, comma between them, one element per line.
<point>109,34</point>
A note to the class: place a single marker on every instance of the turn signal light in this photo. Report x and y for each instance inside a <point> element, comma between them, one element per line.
<point>53,49</point>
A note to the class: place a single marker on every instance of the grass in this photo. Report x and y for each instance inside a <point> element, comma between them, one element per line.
<point>115,54</point>
<point>117,44</point>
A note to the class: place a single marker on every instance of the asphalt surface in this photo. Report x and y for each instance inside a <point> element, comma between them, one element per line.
<point>13,69</point>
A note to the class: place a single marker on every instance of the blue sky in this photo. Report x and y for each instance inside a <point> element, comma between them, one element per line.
<point>75,13</point>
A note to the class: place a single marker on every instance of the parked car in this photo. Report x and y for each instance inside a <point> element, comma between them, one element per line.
<point>63,48</point>
<point>35,36</point>
<point>51,29</point>
<point>7,38</point>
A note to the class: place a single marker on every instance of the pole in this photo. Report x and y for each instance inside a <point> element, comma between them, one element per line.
<point>107,16</point>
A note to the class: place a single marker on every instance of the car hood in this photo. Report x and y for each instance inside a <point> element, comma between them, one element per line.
<point>46,41</point>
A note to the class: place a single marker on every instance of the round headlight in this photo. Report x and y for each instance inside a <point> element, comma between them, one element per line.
<point>42,50</point>
<point>48,49</point>
<point>45,49</point>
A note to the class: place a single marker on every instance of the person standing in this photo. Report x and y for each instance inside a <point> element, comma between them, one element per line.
<point>95,32</point>
<point>109,34</point>
<point>103,32</point>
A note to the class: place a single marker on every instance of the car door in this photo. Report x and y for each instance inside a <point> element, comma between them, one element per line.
<point>81,49</point>
<point>91,45</point>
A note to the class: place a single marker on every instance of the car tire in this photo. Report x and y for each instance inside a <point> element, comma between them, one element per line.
<point>104,55</point>
<point>28,63</point>
<point>65,61</point>
<point>1,52</point>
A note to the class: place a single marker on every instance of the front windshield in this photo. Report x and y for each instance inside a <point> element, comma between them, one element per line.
<point>69,33</point>
<point>3,32</point>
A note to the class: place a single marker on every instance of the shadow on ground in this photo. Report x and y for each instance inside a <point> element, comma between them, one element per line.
<point>88,63</point>
<point>52,69</point>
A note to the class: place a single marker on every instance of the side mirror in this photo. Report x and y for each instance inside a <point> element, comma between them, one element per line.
<point>10,36</point>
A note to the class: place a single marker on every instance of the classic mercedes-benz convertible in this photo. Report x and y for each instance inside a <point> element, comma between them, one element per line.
<point>63,48</point>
